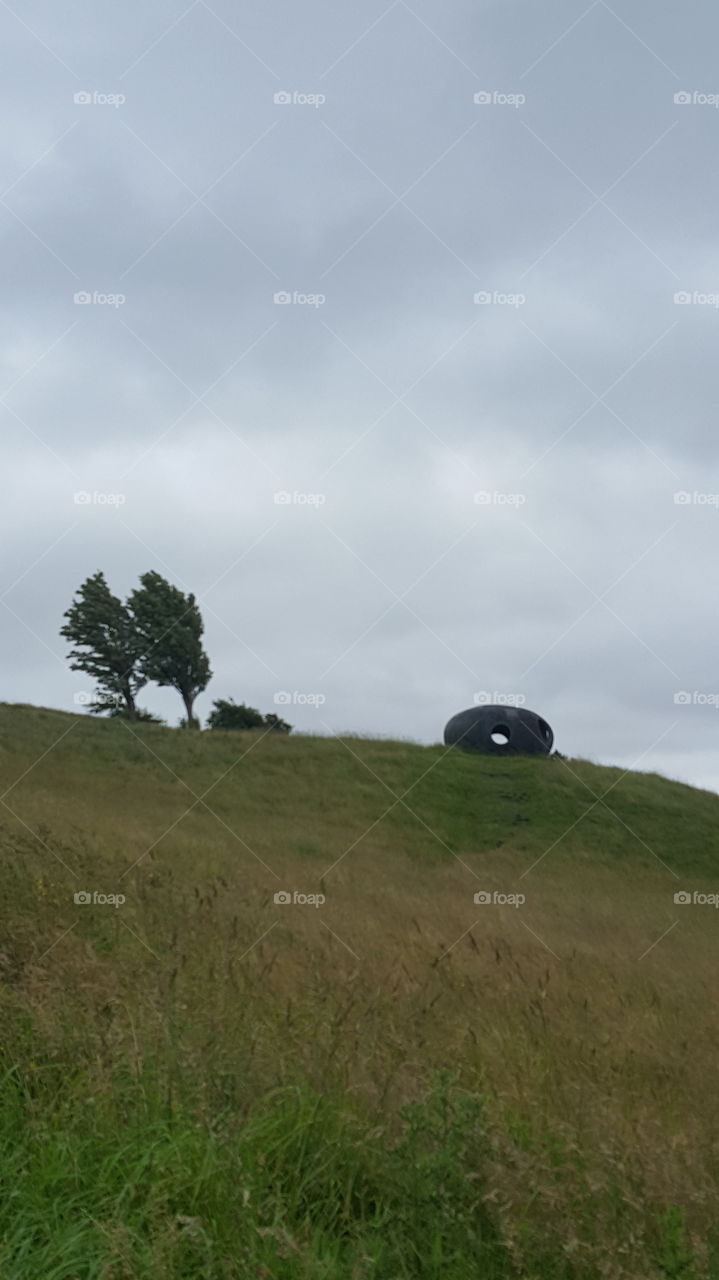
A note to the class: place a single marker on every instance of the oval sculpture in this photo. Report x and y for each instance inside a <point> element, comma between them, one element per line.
<point>498,730</point>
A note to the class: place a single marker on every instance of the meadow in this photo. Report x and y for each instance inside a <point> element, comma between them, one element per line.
<point>380,1078</point>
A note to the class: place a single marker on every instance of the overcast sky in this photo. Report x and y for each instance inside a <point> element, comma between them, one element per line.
<point>480,400</point>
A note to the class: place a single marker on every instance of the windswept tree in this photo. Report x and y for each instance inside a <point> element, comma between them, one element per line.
<point>169,628</point>
<point>106,644</point>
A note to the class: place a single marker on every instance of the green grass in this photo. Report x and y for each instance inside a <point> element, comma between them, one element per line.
<point>297,1187</point>
<point>399,1083</point>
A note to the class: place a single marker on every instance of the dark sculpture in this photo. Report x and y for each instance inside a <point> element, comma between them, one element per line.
<point>499,730</point>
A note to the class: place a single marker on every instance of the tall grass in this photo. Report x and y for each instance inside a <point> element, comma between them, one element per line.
<point>397,1083</point>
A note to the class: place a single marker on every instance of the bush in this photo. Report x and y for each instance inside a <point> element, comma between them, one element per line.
<point>273,722</point>
<point>228,714</point>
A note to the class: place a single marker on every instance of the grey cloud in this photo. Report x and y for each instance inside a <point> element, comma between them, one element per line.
<point>398,397</point>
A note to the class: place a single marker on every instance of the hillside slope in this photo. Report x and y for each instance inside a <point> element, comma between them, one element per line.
<point>94,774</point>
<point>575,1009</point>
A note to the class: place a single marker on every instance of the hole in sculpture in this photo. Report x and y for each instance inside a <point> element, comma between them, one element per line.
<point>545,729</point>
<point>500,735</point>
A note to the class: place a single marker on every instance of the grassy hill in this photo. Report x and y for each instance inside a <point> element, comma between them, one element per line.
<point>397,1081</point>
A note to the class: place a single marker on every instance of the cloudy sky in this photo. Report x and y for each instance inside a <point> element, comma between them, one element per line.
<point>361,323</point>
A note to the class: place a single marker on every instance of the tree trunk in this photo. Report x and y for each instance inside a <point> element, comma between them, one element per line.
<point>189,701</point>
<point>129,703</point>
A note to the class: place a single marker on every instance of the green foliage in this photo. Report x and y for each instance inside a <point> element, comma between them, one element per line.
<point>170,627</point>
<point>106,643</point>
<point>675,1256</point>
<point>121,1185</point>
<point>156,635</point>
<point>276,724</point>
<point>228,714</point>
<point>439,1172</point>
<point>142,715</point>
<point>295,1185</point>
<point>105,704</point>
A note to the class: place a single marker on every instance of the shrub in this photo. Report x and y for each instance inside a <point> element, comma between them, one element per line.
<point>228,714</point>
